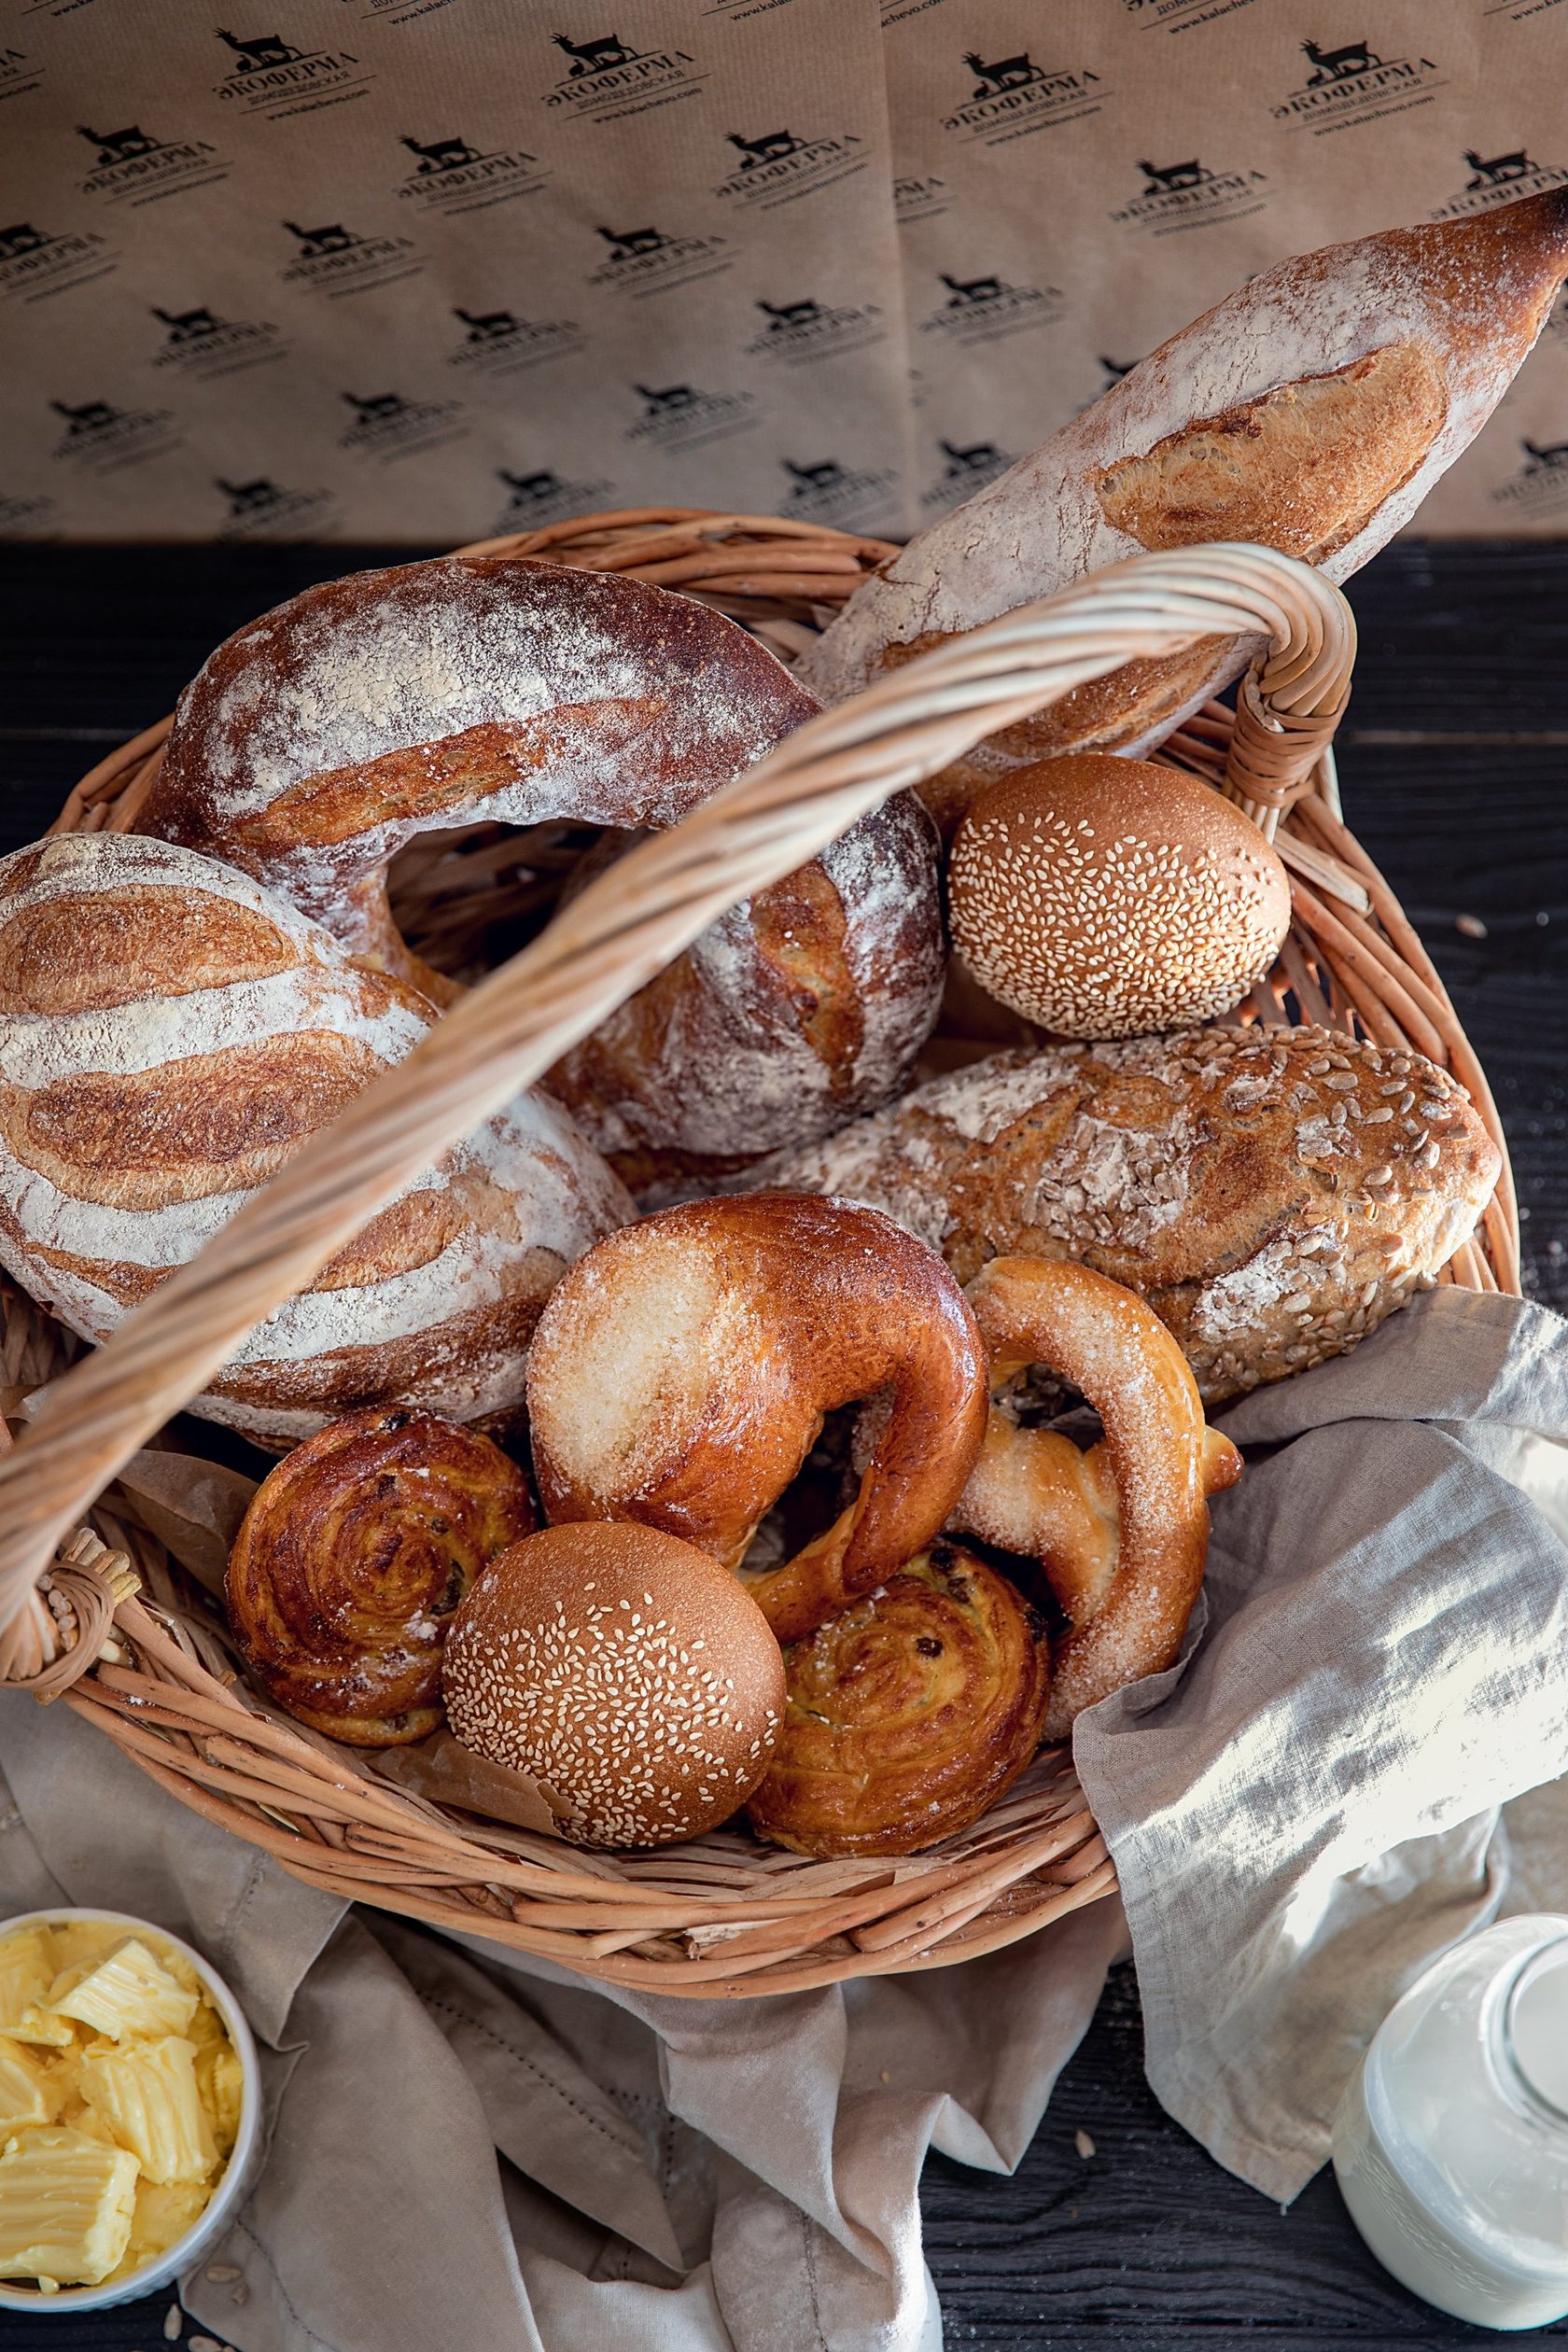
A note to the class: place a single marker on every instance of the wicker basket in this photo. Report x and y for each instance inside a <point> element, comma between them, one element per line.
<point>118,1630</point>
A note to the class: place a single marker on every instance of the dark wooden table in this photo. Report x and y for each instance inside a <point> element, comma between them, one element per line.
<point>1453,763</point>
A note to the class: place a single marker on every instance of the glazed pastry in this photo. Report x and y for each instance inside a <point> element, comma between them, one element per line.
<point>351,1560</point>
<point>623,1670</point>
<point>1104,897</point>
<point>909,1714</point>
<point>1272,1193</point>
<point>1122,1528</point>
<point>680,1376</point>
<point>319,740</point>
<point>170,1035</point>
<point>1311,411</point>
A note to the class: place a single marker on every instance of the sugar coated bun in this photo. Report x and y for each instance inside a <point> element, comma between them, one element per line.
<point>1104,897</point>
<point>627,1671</point>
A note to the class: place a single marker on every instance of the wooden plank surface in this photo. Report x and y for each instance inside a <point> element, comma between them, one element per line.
<point>1454,763</point>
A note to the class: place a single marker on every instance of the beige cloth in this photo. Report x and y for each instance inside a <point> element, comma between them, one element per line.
<point>426,270</point>
<point>1301,1816</point>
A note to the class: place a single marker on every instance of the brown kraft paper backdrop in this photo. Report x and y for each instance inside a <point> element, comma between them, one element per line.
<point>426,270</point>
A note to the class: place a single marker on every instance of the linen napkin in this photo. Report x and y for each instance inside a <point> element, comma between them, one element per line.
<point>1303,1813</point>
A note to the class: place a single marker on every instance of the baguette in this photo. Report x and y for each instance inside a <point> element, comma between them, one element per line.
<point>1311,411</point>
<point>1273,1194</point>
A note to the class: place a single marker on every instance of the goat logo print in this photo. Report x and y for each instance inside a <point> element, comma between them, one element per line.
<point>262,509</point>
<point>824,491</point>
<point>1352,84</point>
<point>387,427</point>
<point>19,73</point>
<point>544,496</point>
<point>35,263</point>
<point>1177,15</point>
<point>644,262</point>
<point>334,260</point>
<point>1497,179</point>
<point>1188,194</point>
<point>198,343</point>
<point>678,417</point>
<point>98,439</point>
<point>607,79</point>
<point>452,176</point>
<point>268,76</point>
<point>1011,97</point>
<point>797,335</point>
<point>1539,487</point>
<point>500,342</point>
<point>132,166</point>
<point>924,198</point>
<point>776,167</point>
<point>401,11</point>
<point>27,517</point>
<point>967,468</point>
<point>981,310</point>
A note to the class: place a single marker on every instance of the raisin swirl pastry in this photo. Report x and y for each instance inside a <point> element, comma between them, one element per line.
<point>907,1714</point>
<point>352,1558</point>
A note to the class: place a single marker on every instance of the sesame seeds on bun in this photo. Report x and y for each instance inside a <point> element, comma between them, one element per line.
<point>624,1668</point>
<point>1105,897</point>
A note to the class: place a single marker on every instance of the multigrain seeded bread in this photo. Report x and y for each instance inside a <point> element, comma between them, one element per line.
<point>170,1035</point>
<point>1273,1194</point>
<point>1311,411</point>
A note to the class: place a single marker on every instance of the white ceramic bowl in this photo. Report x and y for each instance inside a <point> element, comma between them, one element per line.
<point>187,2250</point>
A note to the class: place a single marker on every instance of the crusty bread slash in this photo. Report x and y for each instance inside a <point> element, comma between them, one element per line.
<point>170,1035</point>
<point>1311,411</point>
<point>1273,1194</point>
<point>321,739</point>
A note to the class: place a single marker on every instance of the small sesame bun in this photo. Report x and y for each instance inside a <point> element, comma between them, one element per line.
<point>624,1668</point>
<point>1109,898</point>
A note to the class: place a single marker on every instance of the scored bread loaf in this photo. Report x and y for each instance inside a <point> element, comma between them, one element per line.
<point>322,738</point>
<point>1311,411</point>
<point>170,1034</point>
<point>1273,1194</point>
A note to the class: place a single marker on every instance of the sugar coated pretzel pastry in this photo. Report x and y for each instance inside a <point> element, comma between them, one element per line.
<point>680,1372</point>
<point>1121,1530</point>
<point>351,1561</point>
<point>908,1714</point>
<point>319,740</point>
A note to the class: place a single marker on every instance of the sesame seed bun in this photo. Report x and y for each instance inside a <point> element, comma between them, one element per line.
<point>624,1668</point>
<point>1104,897</point>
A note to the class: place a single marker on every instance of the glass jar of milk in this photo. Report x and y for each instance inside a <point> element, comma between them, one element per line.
<point>1451,2141</point>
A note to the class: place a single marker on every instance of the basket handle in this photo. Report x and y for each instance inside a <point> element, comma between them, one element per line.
<point>624,927</point>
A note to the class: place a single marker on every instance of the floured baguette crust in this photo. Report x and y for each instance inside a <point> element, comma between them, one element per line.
<point>170,1035</point>
<point>1273,1194</point>
<point>1311,411</point>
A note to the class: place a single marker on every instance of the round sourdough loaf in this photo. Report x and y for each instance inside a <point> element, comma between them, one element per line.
<point>1104,897</point>
<point>322,738</point>
<point>170,1034</point>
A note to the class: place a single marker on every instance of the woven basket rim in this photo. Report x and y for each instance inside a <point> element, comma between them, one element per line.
<point>169,1699</point>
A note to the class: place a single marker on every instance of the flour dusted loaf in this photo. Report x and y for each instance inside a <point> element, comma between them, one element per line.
<point>1273,1194</point>
<point>1311,411</point>
<point>318,741</point>
<point>800,1008</point>
<point>170,1034</point>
